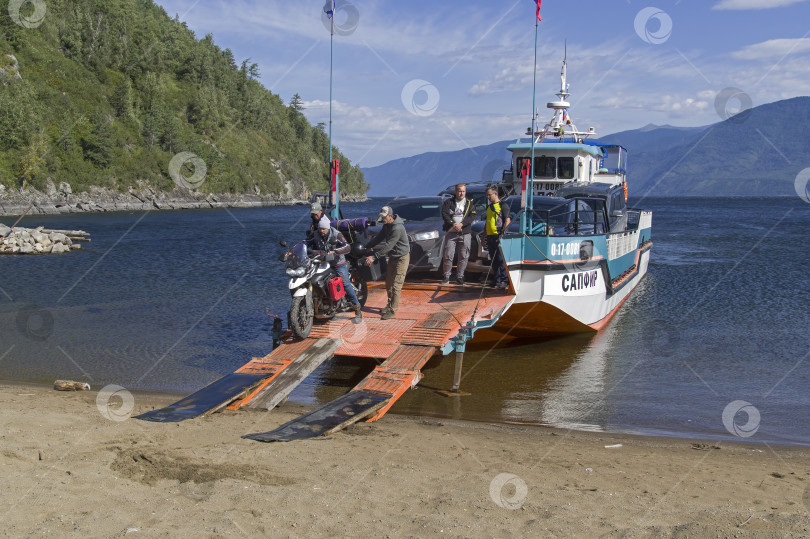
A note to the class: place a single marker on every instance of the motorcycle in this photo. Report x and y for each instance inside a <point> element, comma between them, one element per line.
<point>316,288</point>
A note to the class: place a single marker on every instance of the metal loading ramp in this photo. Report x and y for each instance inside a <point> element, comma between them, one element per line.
<point>283,365</point>
<point>429,318</point>
<point>369,400</point>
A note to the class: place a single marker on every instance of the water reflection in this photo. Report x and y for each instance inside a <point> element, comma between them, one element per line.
<point>559,382</point>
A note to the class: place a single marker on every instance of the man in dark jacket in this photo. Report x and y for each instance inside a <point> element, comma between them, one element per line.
<point>398,249</point>
<point>332,243</point>
<point>458,214</point>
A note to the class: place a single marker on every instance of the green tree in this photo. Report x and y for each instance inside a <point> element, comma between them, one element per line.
<point>151,130</point>
<point>296,103</point>
<point>121,99</point>
<point>31,165</point>
<point>18,117</point>
<point>64,136</point>
<point>10,32</point>
<point>171,132</point>
<point>98,144</point>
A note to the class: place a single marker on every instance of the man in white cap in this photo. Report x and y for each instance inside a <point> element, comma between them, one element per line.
<point>398,249</point>
<point>329,240</point>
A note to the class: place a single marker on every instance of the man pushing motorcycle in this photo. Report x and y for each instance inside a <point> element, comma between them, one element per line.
<point>330,241</point>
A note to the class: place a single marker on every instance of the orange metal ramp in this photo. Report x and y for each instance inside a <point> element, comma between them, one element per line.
<point>370,399</point>
<point>288,366</point>
<point>429,317</point>
<point>243,384</point>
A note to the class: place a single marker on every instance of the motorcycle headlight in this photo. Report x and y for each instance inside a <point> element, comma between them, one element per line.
<point>295,272</point>
<point>422,236</point>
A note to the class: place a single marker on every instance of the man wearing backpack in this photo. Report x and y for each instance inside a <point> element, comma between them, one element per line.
<point>497,222</point>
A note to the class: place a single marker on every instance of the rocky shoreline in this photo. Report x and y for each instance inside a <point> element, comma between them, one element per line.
<point>62,199</point>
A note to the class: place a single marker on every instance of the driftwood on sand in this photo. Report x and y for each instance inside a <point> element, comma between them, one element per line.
<point>70,385</point>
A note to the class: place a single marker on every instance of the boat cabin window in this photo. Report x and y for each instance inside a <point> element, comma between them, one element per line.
<point>544,166</point>
<point>565,168</point>
<point>615,159</point>
<point>576,217</point>
<point>617,200</point>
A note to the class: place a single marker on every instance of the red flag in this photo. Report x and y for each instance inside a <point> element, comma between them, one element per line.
<point>527,167</point>
<point>539,18</point>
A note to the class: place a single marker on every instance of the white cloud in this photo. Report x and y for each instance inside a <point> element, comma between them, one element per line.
<point>371,136</point>
<point>753,4</point>
<point>425,33</point>
<point>773,48</point>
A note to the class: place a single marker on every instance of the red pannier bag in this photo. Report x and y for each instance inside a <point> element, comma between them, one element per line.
<point>335,286</point>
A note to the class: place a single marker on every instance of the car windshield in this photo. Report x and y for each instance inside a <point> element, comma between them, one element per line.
<point>418,211</point>
<point>480,200</point>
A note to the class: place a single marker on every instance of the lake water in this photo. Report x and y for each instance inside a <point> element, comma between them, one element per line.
<point>170,301</point>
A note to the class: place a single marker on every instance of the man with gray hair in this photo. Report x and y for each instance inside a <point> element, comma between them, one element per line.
<point>398,249</point>
<point>458,214</point>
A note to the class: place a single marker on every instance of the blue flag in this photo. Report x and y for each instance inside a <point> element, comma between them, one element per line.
<point>329,8</point>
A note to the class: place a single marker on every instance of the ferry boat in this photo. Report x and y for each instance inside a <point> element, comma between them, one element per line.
<point>575,250</point>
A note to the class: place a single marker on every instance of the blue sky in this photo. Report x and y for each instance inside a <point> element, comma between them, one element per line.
<point>419,76</point>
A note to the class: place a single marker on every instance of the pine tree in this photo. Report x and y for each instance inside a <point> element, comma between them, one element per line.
<point>296,103</point>
<point>98,145</point>
<point>121,99</point>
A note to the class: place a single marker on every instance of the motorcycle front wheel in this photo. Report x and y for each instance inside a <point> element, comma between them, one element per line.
<point>301,318</point>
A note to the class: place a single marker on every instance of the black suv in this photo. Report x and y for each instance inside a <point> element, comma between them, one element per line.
<point>478,192</point>
<point>423,222</point>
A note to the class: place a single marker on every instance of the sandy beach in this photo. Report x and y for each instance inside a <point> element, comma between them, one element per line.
<point>69,470</point>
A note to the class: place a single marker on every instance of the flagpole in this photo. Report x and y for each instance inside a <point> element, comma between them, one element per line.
<point>333,177</point>
<point>530,182</point>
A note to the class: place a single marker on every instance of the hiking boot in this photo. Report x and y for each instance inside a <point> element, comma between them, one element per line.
<point>385,309</point>
<point>460,281</point>
<point>387,315</point>
<point>358,314</point>
<point>446,280</point>
<point>501,286</point>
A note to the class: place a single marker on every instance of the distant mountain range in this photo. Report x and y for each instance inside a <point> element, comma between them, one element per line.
<point>758,152</point>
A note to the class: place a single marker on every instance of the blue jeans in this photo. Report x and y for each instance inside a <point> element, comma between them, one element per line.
<point>343,271</point>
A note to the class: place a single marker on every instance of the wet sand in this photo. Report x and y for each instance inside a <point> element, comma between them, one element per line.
<point>69,470</point>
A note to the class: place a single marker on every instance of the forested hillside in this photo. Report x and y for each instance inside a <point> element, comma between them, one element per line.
<point>106,92</point>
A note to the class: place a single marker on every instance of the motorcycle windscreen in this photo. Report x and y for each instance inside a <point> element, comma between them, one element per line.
<point>299,258</point>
